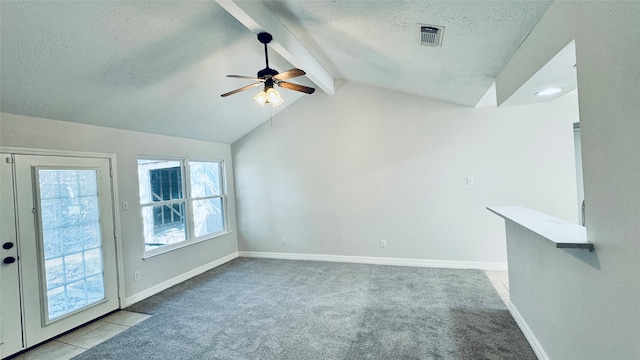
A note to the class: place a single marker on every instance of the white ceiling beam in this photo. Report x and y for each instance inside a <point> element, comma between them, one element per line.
<point>258,18</point>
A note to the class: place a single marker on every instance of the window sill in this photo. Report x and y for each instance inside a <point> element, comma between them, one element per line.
<point>170,248</point>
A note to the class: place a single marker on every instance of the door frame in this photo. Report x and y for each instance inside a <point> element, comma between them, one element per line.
<point>114,198</point>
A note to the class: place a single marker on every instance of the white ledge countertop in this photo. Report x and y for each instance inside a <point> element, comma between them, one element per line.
<point>562,233</point>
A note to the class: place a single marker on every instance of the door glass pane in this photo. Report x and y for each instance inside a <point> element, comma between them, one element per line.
<point>71,239</point>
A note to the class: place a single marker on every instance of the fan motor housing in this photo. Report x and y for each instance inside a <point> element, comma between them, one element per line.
<point>267,72</point>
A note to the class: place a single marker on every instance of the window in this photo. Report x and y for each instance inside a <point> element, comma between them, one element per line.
<point>207,199</point>
<point>182,201</point>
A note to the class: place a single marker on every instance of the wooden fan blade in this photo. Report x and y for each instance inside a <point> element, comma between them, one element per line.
<point>289,74</point>
<point>241,89</point>
<point>246,77</point>
<point>296,87</point>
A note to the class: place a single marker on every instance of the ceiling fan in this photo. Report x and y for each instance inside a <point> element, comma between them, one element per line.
<point>270,77</point>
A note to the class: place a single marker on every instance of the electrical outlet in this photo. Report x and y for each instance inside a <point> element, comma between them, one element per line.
<point>136,275</point>
<point>383,243</point>
<point>284,241</point>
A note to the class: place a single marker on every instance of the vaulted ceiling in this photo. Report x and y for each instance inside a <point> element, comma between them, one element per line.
<point>160,66</point>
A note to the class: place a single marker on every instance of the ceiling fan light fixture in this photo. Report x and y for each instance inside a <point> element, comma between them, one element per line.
<point>269,96</point>
<point>261,98</point>
<point>273,97</point>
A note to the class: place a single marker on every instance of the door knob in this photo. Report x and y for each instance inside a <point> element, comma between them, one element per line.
<point>9,260</point>
<point>7,245</point>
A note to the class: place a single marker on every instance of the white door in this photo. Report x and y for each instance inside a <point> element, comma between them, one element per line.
<point>65,245</point>
<point>10,313</point>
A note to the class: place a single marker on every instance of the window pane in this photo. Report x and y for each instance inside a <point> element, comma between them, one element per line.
<point>76,295</point>
<point>159,180</point>
<point>53,243</point>
<point>95,288</point>
<point>67,182</point>
<point>207,216</point>
<point>71,239</point>
<point>69,210</point>
<point>93,262</point>
<point>49,184</point>
<point>91,236</point>
<point>163,225</point>
<point>55,272</point>
<point>56,302</point>
<point>73,267</point>
<point>51,212</point>
<point>205,179</point>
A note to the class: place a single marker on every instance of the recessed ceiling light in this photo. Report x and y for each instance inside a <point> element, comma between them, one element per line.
<point>549,91</point>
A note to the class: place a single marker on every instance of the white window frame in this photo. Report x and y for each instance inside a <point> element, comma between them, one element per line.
<point>187,198</point>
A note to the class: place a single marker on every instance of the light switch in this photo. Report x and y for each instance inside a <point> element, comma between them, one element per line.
<point>469,180</point>
<point>125,205</point>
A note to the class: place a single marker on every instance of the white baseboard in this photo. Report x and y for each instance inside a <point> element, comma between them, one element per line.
<point>379,260</point>
<point>176,280</point>
<point>528,334</point>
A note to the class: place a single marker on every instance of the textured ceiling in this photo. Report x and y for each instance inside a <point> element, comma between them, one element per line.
<point>160,66</point>
<point>376,42</point>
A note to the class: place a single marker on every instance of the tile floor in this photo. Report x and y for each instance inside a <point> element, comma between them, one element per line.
<point>500,281</point>
<point>69,345</point>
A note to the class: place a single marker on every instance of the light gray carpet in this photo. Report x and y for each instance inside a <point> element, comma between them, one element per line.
<point>278,309</point>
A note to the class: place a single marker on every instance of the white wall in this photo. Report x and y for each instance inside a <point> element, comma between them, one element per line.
<point>337,174</point>
<point>582,305</point>
<point>28,132</point>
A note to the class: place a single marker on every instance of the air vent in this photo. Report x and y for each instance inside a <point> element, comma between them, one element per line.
<point>430,35</point>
